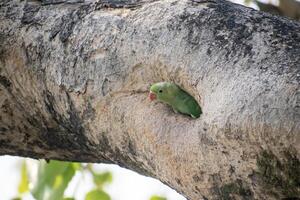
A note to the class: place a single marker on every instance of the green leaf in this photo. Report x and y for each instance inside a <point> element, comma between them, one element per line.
<point>248,1</point>
<point>156,197</point>
<point>77,166</point>
<point>24,183</point>
<point>69,198</point>
<point>53,179</point>
<point>97,195</point>
<point>16,198</point>
<point>102,178</point>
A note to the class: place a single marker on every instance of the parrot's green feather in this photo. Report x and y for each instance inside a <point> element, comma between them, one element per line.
<point>176,97</point>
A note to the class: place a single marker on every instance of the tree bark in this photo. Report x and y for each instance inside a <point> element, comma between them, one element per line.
<point>75,74</point>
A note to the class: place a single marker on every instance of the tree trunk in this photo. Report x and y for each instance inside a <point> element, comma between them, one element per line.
<point>75,75</point>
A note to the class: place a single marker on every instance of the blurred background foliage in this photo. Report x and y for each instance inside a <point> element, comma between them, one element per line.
<point>53,178</point>
<point>287,8</point>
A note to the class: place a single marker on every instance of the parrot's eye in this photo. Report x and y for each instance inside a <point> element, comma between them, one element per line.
<point>160,91</point>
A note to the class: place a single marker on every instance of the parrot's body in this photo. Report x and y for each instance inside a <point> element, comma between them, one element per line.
<point>176,97</point>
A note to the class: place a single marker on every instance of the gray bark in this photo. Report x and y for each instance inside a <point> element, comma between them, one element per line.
<point>75,74</point>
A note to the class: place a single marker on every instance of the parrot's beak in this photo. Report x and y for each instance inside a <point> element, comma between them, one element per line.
<point>152,96</point>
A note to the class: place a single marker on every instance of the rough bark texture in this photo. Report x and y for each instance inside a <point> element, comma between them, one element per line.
<point>75,75</point>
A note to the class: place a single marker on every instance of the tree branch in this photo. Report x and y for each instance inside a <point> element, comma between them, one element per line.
<point>74,76</point>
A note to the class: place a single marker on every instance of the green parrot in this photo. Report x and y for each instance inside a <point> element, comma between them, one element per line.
<point>177,98</point>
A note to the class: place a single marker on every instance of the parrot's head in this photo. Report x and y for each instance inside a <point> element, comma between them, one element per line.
<point>162,91</point>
